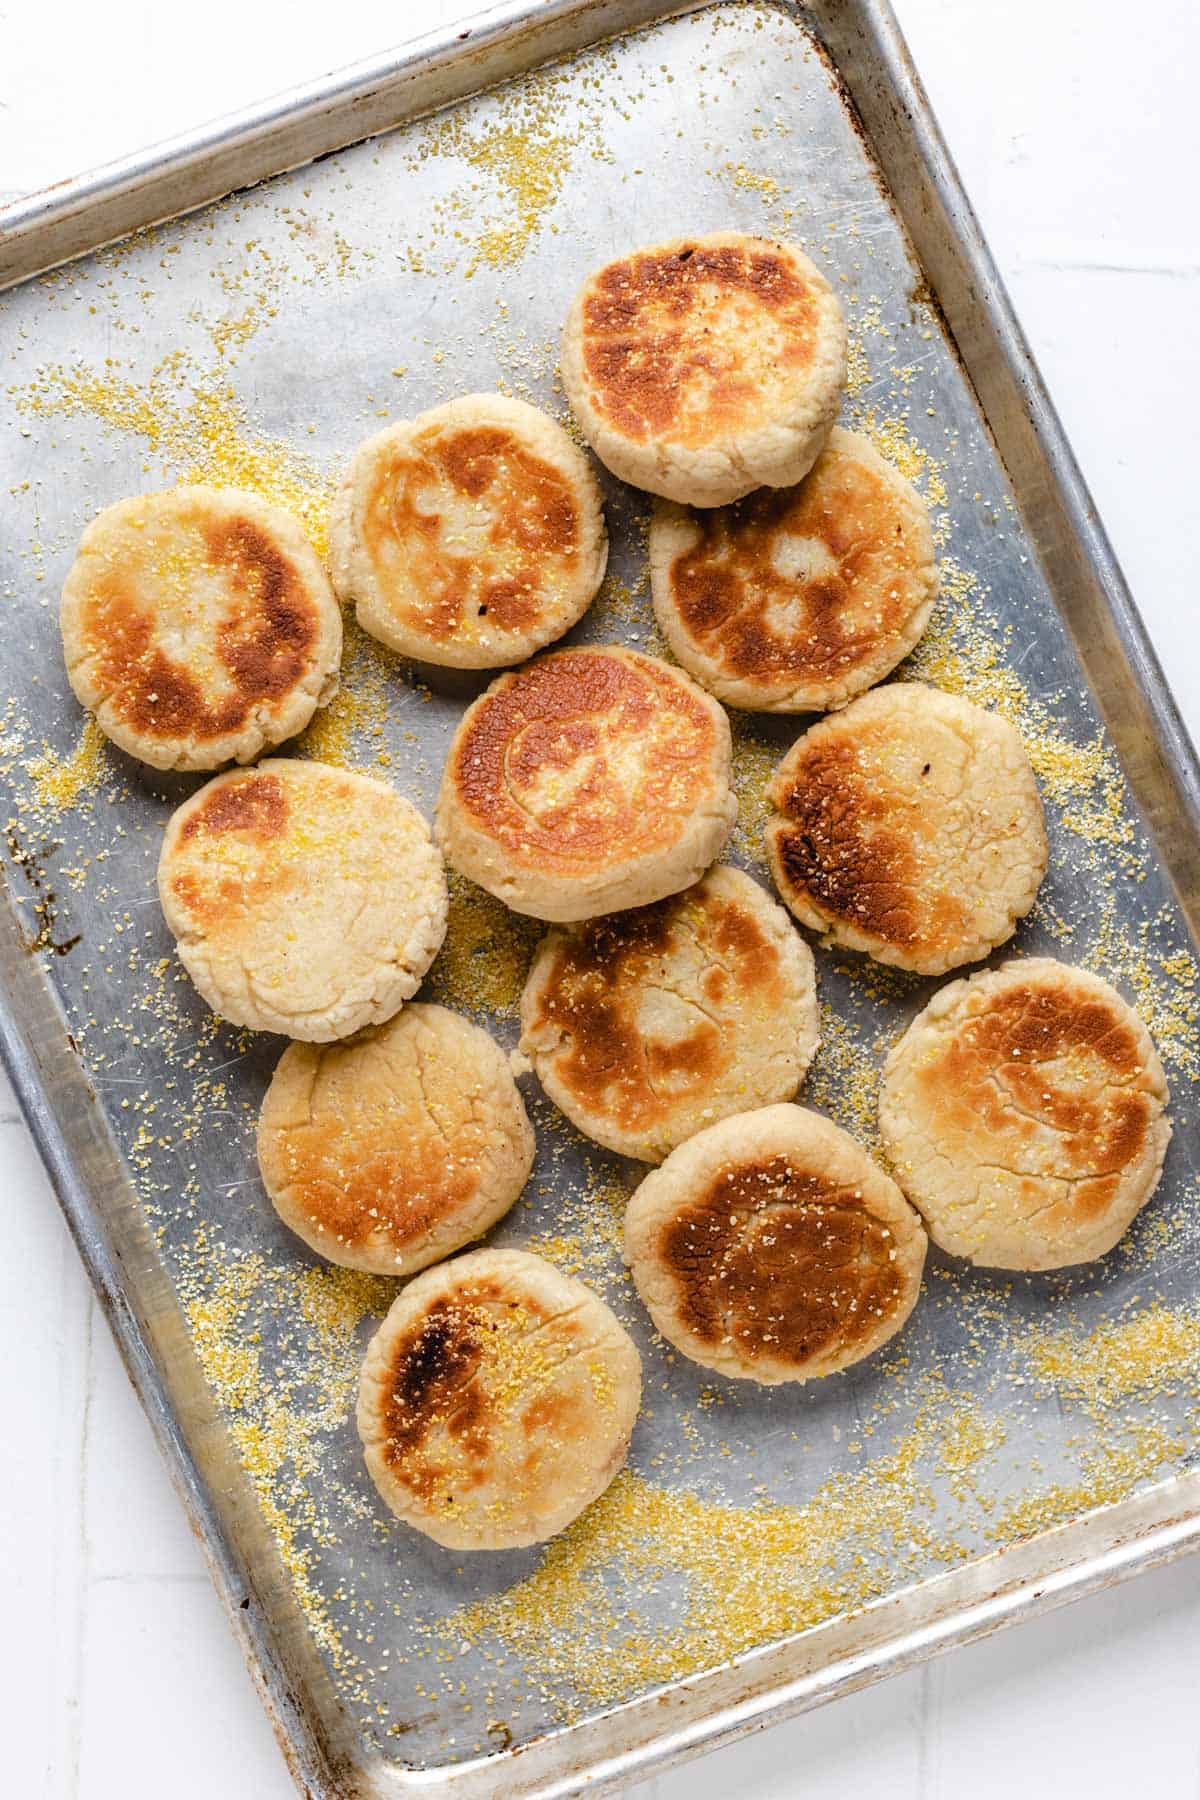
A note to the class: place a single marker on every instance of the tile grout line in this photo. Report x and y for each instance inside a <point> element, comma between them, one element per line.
<point>85,1543</point>
<point>73,1300</point>
<point>925,1746</point>
<point>79,1658</point>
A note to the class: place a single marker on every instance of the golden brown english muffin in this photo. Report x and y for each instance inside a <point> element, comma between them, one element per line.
<point>770,1247</point>
<point>305,899</point>
<point>648,1025</point>
<point>497,1401</point>
<point>199,627</point>
<point>796,599</point>
<point>396,1148</point>
<point>908,826</point>
<point>704,367</point>
<point>1024,1113</point>
<point>471,535</point>
<point>594,779</point>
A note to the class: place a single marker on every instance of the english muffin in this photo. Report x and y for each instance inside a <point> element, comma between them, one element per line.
<point>497,1401</point>
<point>199,627</point>
<point>908,826</point>
<point>704,367</point>
<point>471,535</point>
<point>594,779</point>
<point>771,1248</point>
<point>645,1026</point>
<point>390,1151</point>
<point>1024,1113</point>
<point>305,899</point>
<point>796,599</point>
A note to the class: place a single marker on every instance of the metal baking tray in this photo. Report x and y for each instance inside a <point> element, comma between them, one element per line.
<point>1029,1438</point>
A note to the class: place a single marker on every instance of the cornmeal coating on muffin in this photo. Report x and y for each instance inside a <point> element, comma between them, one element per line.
<point>704,367</point>
<point>199,627</point>
<point>908,826</point>
<point>305,899</point>
<point>1024,1114</point>
<point>592,780</point>
<point>398,1146</point>
<point>471,535</point>
<point>796,599</point>
<point>497,1401</point>
<point>646,1026</point>
<point>772,1248</point>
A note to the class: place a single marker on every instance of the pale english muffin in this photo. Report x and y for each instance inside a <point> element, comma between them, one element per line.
<point>770,1247</point>
<point>199,627</point>
<point>706,366</point>
<point>798,598</point>
<point>394,1149</point>
<point>497,1401</point>
<point>648,1025</point>
<point>471,535</point>
<point>1023,1113</point>
<point>305,899</point>
<point>908,826</point>
<point>594,779</point>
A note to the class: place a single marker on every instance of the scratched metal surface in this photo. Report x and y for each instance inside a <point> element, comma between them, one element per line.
<point>376,261</point>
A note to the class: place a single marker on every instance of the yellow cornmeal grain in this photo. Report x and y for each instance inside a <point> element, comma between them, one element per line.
<point>843,1078</point>
<point>280,1421</point>
<point>486,954</point>
<point>1162,986</point>
<point>197,426</point>
<point>755,760</point>
<point>1156,1349</point>
<point>230,333</point>
<point>1109,1475</point>
<point>61,782</point>
<point>750,1573</point>
<point>858,366</point>
<point>751,181</point>
<point>524,153</point>
<point>964,652</point>
<point>590,1222</point>
<point>348,733</point>
<point>528,168</point>
<point>895,442</point>
<point>622,607</point>
<point>879,981</point>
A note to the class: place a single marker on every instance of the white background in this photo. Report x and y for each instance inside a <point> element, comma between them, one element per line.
<point>1074,123</point>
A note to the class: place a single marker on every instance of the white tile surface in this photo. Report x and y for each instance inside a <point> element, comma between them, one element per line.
<point>1076,129</point>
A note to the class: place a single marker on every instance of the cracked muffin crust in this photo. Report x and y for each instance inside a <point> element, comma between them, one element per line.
<point>471,535</point>
<point>199,627</point>
<point>396,1148</point>
<point>703,367</point>
<point>1024,1114</point>
<point>772,1248</point>
<point>796,599</point>
<point>305,899</point>
<point>593,779</point>
<point>648,1025</point>
<point>497,1401</point>
<point>908,826</point>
